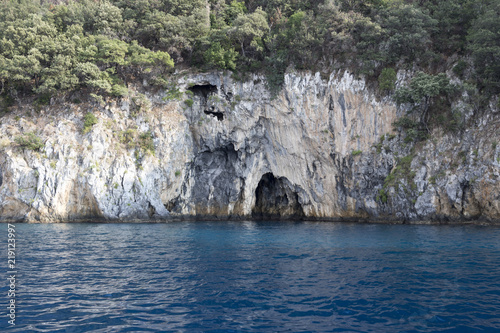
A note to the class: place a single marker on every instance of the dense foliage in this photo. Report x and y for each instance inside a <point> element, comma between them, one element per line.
<point>55,46</point>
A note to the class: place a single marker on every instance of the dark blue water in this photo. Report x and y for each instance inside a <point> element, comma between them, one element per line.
<point>255,277</point>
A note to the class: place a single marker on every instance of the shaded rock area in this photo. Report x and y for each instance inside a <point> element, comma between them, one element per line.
<point>224,149</point>
<point>207,96</point>
<point>216,181</point>
<point>276,199</point>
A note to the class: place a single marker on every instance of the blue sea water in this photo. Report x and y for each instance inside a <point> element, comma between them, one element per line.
<point>254,277</point>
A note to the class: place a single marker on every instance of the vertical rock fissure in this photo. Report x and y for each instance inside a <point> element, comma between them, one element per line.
<point>343,108</point>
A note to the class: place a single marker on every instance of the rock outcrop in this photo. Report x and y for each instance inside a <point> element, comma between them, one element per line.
<point>219,148</point>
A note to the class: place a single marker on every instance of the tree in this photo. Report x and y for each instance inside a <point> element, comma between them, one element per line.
<point>58,76</point>
<point>422,90</point>
<point>484,44</point>
<point>387,79</point>
<point>351,36</point>
<point>220,57</point>
<point>408,32</point>
<point>454,18</point>
<point>47,52</point>
<point>91,76</point>
<point>111,51</point>
<point>247,28</point>
<point>233,10</point>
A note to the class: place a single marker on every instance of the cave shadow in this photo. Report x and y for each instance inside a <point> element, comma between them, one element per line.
<point>276,198</point>
<point>203,92</point>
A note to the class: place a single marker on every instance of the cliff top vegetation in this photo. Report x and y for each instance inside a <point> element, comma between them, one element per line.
<point>51,47</point>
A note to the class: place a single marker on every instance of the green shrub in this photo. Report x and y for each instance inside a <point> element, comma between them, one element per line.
<point>387,79</point>
<point>220,57</point>
<point>382,196</point>
<point>7,101</point>
<point>401,171</point>
<point>127,137</point>
<point>405,123</point>
<point>415,135</point>
<point>159,82</point>
<point>380,143</point>
<point>119,90</point>
<point>484,46</point>
<point>98,98</point>
<point>463,156</point>
<point>29,141</point>
<point>173,93</point>
<point>423,87</point>
<point>414,130</point>
<point>189,102</point>
<point>356,152</point>
<point>89,120</point>
<point>43,99</point>
<point>459,68</point>
<point>142,142</point>
<point>146,142</point>
<point>454,122</point>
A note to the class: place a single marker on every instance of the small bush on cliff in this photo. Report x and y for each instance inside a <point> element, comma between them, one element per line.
<point>401,172</point>
<point>426,94</point>
<point>173,93</point>
<point>382,196</point>
<point>127,137</point>
<point>42,100</point>
<point>119,90</point>
<point>414,130</point>
<point>89,120</point>
<point>29,141</point>
<point>141,142</point>
<point>387,79</point>
<point>146,142</point>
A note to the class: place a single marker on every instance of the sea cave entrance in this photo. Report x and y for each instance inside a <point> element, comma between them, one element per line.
<point>276,198</point>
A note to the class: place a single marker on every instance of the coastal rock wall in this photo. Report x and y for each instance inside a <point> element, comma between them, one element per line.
<point>321,149</point>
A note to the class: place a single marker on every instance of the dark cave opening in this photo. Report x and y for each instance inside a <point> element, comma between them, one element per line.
<point>276,198</point>
<point>213,112</point>
<point>203,90</point>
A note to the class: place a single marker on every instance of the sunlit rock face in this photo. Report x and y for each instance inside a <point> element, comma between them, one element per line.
<point>322,148</point>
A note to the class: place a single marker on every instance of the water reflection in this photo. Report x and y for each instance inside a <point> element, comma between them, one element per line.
<point>256,276</point>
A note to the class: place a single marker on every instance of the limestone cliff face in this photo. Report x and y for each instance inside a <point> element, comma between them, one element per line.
<point>225,149</point>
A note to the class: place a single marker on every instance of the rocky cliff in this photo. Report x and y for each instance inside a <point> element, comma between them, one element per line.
<point>213,147</point>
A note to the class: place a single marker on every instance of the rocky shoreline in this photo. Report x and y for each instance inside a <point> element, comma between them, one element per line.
<point>322,149</point>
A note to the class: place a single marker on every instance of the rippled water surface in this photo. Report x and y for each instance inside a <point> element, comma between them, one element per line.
<point>255,277</point>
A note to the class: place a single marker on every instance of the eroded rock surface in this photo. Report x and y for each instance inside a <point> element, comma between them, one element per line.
<point>321,149</point>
